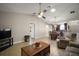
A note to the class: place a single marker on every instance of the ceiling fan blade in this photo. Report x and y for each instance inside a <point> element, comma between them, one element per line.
<point>43,17</point>
<point>34,13</point>
<point>44,10</point>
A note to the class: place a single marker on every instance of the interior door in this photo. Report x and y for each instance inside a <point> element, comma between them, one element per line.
<point>32,32</point>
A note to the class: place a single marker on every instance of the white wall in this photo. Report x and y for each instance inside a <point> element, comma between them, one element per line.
<point>74,27</point>
<point>19,25</point>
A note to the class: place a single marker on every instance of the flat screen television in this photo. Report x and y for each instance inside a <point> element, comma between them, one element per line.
<point>5,34</point>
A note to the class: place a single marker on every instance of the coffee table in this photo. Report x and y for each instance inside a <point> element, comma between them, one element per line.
<point>31,50</point>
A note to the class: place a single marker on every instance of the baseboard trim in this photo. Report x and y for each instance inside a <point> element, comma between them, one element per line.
<point>41,37</point>
<point>35,38</point>
<point>18,42</point>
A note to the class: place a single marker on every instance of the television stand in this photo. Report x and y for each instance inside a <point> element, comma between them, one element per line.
<point>5,43</point>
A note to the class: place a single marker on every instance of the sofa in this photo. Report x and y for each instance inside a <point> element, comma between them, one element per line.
<point>62,43</point>
<point>66,40</point>
<point>53,35</point>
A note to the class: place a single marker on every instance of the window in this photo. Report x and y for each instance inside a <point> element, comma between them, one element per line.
<point>62,27</point>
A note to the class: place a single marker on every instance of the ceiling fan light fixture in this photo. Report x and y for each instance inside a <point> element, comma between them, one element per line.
<point>41,13</point>
<point>53,10</point>
<point>39,16</point>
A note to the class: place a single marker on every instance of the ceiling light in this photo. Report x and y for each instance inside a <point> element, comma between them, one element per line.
<point>41,13</point>
<point>53,10</point>
<point>39,16</point>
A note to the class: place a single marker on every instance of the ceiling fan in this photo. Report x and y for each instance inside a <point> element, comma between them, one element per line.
<point>41,13</point>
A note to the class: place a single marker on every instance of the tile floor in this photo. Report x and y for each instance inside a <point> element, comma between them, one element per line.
<point>15,50</point>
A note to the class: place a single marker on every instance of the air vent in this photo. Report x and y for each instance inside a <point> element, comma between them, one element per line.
<point>72,12</point>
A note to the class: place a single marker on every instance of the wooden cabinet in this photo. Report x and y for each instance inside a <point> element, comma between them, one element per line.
<point>5,43</point>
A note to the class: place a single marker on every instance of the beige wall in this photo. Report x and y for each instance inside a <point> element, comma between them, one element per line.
<point>19,25</point>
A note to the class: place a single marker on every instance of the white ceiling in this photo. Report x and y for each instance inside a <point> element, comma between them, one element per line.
<point>62,10</point>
